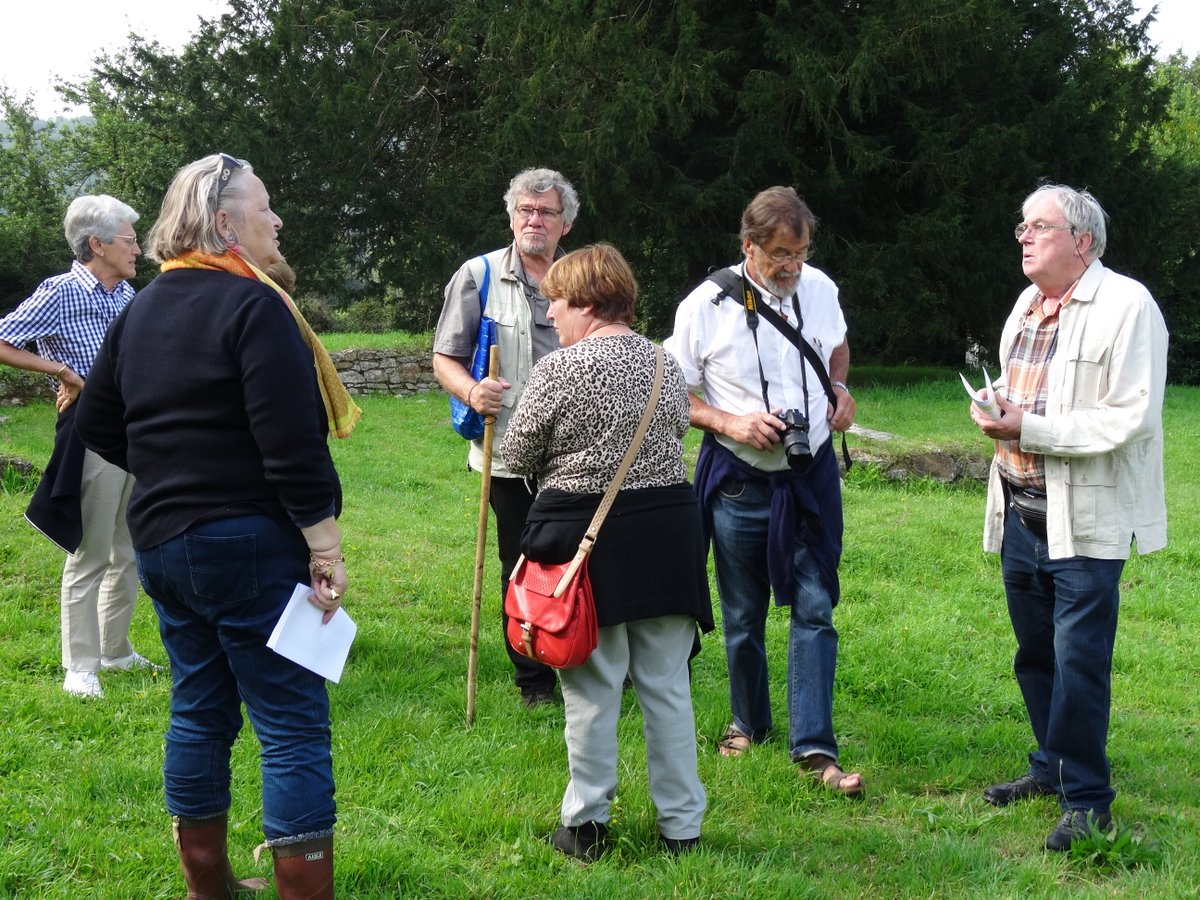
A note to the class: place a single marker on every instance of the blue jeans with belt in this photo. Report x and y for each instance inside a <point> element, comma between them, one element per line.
<point>741,511</point>
<point>1064,615</point>
<point>219,589</point>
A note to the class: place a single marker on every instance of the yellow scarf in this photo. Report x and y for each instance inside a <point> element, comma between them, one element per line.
<point>342,411</point>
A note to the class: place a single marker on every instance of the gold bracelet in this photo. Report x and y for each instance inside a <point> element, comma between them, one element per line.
<point>324,566</point>
<point>471,391</point>
<point>61,369</point>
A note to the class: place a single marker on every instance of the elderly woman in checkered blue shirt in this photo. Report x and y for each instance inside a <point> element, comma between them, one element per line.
<point>81,502</point>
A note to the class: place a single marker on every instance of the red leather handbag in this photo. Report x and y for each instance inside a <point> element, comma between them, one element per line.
<point>551,614</point>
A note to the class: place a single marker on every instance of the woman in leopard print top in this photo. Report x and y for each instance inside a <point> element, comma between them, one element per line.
<point>575,420</point>
<point>586,402</point>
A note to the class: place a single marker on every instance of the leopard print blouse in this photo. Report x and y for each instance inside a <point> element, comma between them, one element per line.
<point>580,410</point>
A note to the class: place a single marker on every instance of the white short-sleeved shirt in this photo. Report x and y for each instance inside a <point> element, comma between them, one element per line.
<point>716,350</point>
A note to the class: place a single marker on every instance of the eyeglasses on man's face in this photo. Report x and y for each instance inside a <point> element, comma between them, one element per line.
<point>1037,229</point>
<point>782,258</point>
<point>548,214</point>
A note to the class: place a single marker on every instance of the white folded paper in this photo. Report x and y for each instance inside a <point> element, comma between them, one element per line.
<point>983,398</point>
<point>300,636</point>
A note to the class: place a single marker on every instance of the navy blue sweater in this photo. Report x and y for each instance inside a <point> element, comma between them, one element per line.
<point>804,507</point>
<point>206,392</point>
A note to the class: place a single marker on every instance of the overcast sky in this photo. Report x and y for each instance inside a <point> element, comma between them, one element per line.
<point>44,40</point>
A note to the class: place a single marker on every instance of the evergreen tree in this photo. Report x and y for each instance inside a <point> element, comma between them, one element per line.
<point>387,131</point>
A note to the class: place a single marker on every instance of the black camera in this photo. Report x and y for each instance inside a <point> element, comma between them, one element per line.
<point>795,439</point>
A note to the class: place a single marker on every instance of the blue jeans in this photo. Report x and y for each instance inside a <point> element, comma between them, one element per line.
<point>741,510</point>
<point>1064,615</point>
<point>219,589</point>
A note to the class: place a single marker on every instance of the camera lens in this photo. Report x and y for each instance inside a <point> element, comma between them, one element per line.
<point>795,440</point>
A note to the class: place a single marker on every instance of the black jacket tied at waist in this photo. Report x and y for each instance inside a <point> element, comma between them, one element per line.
<point>805,507</point>
<point>650,558</point>
<point>55,509</point>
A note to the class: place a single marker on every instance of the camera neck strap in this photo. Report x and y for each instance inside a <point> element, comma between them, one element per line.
<point>750,302</point>
<point>725,280</point>
<point>793,335</point>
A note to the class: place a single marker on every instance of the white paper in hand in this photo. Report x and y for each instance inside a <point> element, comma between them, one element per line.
<point>300,636</point>
<point>982,398</point>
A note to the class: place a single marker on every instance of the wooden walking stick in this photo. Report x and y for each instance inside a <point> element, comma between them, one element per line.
<point>485,487</point>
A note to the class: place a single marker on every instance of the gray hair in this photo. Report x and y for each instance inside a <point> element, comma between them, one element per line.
<point>538,181</point>
<point>95,216</point>
<point>188,220</point>
<point>1081,209</point>
<point>774,209</point>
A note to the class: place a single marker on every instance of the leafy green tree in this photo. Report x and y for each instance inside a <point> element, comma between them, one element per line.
<point>913,128</point>
<point>36,184</point>
<point>387,131</point>
<point>1175,278</point>
<point>340,109</point>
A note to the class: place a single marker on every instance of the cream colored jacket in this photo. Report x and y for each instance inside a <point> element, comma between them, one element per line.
<point>506,304</point>
<point>1102,433</point>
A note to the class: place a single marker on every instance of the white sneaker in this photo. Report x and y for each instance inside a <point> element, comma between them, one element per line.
<point>134,660</point>
<point>82,684</point>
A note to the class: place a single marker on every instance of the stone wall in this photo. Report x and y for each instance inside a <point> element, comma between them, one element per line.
<point>411,372</point>
<point>18,387</point>
<point>361,371</point>
<point>385,371</point>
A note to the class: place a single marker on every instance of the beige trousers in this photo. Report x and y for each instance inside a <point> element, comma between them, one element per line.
<point>655,654</point>
<point>99,582</point>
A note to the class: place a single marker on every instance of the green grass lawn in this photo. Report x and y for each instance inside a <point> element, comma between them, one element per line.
<point>926,707</point>
<point>358,340</point>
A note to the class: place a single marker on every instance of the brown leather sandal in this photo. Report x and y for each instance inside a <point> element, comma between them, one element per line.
<point>733,743</point>
<point>825,768</point>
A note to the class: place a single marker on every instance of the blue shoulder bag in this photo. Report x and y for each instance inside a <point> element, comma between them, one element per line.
<point>466,421</point>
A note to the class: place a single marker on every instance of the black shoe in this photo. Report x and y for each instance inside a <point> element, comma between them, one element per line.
<point>1019,789</point>
<point>679,846</point>
<point>539,698</point>
<point>587,842</point>
<point>1076,823</point>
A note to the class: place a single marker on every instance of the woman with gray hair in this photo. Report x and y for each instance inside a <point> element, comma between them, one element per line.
<point>80,503</point>
<point>206,390</point>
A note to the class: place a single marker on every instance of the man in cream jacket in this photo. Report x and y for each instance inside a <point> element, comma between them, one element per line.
<point>1077,479</point>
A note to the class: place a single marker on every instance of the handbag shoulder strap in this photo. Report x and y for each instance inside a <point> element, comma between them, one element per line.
<point>606,502</point>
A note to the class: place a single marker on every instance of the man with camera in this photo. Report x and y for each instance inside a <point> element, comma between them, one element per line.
<point>763,348</point>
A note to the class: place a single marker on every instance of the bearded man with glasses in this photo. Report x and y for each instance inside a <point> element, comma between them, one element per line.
<point>1076,479</point>
<point>770,396</point>
<point>541,206</point>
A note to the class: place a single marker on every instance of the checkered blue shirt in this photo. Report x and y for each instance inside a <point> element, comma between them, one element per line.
<point>67,316</point>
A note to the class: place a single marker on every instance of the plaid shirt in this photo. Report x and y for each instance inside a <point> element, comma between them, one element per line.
<point>67,316</point>
<point>1026,380</point>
